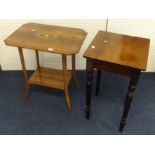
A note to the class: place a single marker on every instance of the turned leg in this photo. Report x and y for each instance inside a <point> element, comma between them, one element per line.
<point>129,97</point>
<point>64,63</point>
<point>98,79</point>
<point>73,70</point>
<point>89,87</point>
<point>26,87</point>
<point>37,58</point>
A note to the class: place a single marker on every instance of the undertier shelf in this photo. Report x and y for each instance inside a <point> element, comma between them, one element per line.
<point>49,77</point>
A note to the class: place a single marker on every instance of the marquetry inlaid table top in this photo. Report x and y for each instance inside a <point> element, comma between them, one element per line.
<point>48,38</point>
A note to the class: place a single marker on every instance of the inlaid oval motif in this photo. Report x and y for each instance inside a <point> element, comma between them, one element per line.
<point>46,36</point>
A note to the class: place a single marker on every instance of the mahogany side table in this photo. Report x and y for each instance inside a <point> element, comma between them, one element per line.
<point>52,39</point>
<point>121,54</point>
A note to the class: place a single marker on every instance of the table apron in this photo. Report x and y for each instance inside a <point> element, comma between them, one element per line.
<point>114,68</point>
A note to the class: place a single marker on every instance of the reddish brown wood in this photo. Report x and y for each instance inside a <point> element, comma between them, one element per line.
<point>114,68</point>
<point>74,70</point>
<point>49,38</point>
<point>49,77</point>
<point>121,54</point>
<point>65,75</point>
<point>37,58</point>
<point>119,49</point>
<point>26,88</point>
<point>53,39</point>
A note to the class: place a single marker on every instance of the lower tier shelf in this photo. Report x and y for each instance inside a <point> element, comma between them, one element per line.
<point>49,77</point>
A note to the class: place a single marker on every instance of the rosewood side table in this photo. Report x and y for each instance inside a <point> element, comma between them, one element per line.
<point>121,54</point>
<point>52,39</point>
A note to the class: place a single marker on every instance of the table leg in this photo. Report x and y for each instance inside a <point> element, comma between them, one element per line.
<point>129,97</point>
<point>73,70</point>
<point>26,88</point>
<point>37,58</point>
<point>98,79</point>
<point>64,63</point>
<point>89,87</point>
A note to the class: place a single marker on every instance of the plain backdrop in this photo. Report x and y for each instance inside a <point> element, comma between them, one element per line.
<point>77,9</point>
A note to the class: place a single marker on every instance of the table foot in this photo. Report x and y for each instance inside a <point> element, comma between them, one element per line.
<point>129,97</point>
<point>122,124</point>
<point>87,111</point>
<point>26,93</point>
<point>68,102</point>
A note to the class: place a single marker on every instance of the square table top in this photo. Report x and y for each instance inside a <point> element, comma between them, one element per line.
<point>41,37</point>
<point>119,49</point>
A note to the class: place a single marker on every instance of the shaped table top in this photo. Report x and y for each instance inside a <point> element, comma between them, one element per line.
<point>41,37</point>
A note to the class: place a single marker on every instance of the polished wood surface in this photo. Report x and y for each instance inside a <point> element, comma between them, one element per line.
<point>64,65</point>
<point>48,38</point>
<point>49,77</point>
<point>53,39</point>
<point>74,70</point>
<point>121,54</point>
<point>37,58</point>
<point>129,97</point>
<point>119,49</point>
<point>26,84</point>
<point>114,68</point>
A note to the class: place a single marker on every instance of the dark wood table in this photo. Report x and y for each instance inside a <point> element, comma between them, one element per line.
<point>121,54</point>
<point>53,39</point>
